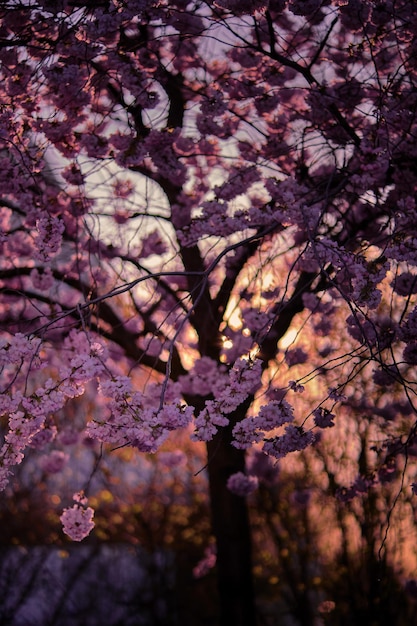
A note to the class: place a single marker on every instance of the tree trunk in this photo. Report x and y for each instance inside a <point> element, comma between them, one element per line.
<point>231,528</point>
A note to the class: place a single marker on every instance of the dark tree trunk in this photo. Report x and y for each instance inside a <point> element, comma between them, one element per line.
<point>231,528</point>
<point>229,513</point>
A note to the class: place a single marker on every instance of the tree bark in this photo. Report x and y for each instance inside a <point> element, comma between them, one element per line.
<point>230,522</point>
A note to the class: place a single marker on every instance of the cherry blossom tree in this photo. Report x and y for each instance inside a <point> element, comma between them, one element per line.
<point>191,192</point>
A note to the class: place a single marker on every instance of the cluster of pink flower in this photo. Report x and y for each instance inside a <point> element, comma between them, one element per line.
<point>229,393</point>
<point>356,278</point>
<point>66,84</point>
<point>323,418</point>
<point>28,414</point>
<point>256,320</point>
<point>132,421</point>
<point>77,521</point>
<point>361,485</point>
<point>242,484</point>
<point>270,417</point>
<point>204,378</point>
<point>239,181</point>
<point>49,239</point>
<point>54,462</point>
<point>133,418</point>
<point>295,438</point>
<point>42,279</point>
<point>207,562</point>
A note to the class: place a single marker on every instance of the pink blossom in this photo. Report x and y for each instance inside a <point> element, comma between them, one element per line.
<point>245,375</point>
<point>153,244</point>
<point>410,353</point>
<point>207,422</point>
<point>295,356</point>
<point>160,147</point>
<point>10,403</point>
<point>262,466</point>
<point>270,416</point>
<point>49,239</point>
<point>295,438</point>
<point>213,104</point>
<point>207,562</point>
<point>239,181</point>
<point>405,284</point>
<point>86,366</point>
<point>323,418</point>
<point>18,348</point>
<point>53,462</point>
<point>23,427</point>
<point>68,437</point>
<point>274,414</point>
<point>93,144</point>
<point>385,377</point>
<point>43,437</point>
<point>73,175</point>
<point>241,484</point>
<point>42,403</point>
<point>66,84</point>
<point>4,477</point>
<point>172,458</point>
<point>203,378</point>
<point>136,420</point>
<point>245,433</point>
<point>174,416</point>
<point>256,320</point>
<point>408,329</point>
<point>77,521</point>
<point>42,278</point>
